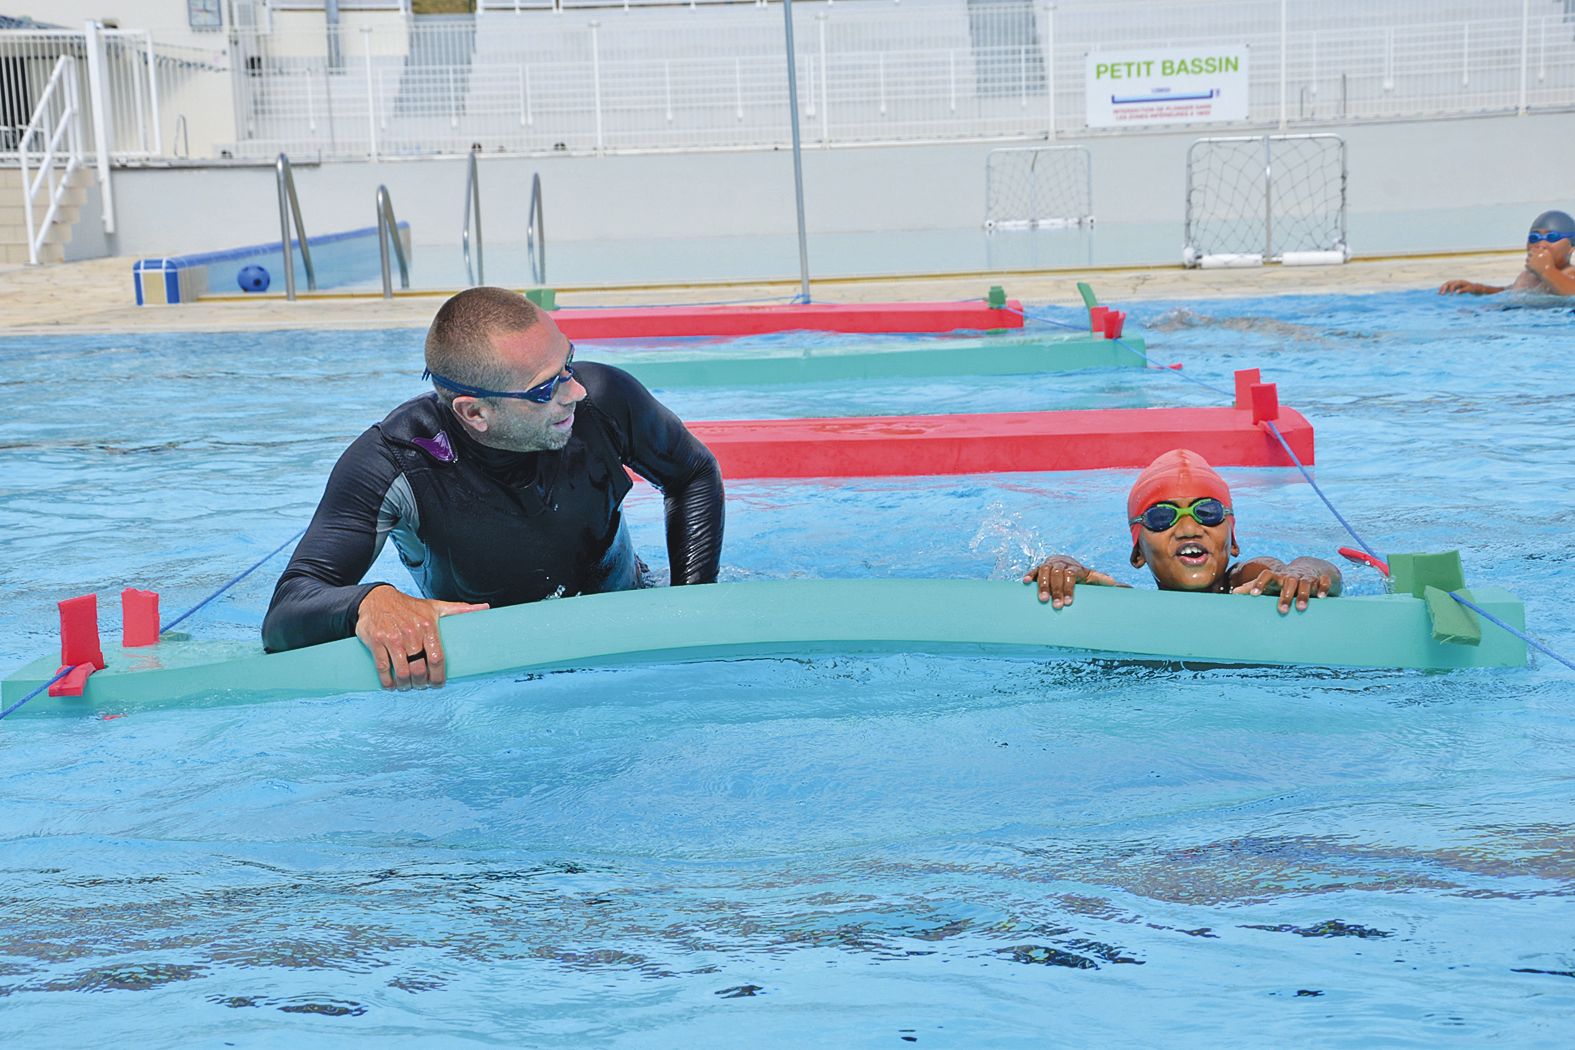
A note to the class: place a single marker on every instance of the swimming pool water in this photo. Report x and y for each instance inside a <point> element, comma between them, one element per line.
<point>854,851</point>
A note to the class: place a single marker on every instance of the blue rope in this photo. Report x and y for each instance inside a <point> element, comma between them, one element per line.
<point>58,676</point>
<point>1490,618</point>
<point>1326,502</point>
<point>1473,606</point>
<point>254,567</point>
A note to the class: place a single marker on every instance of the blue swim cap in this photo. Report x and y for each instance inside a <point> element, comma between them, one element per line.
<point>1556,221</point>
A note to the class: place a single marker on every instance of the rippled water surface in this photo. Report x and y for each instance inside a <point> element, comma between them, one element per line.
<point>850,851</point>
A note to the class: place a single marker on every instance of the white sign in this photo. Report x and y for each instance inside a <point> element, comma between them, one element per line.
<point>1190,85</point>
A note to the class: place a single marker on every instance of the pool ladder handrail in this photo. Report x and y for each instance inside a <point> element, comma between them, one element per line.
<point>536,227</point>
<point>388,230</point>
<point>290,206</point>
<point>473,196</point>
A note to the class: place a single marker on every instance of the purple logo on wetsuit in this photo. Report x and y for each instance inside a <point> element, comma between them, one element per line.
<point>436,447</point>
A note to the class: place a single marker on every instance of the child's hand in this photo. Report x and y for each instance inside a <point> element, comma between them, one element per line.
<point>1539,259</point>
<point>1293,583</point>
<point>1059,575</point>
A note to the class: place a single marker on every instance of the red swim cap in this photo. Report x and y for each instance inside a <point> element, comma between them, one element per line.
<point>1181,476</point>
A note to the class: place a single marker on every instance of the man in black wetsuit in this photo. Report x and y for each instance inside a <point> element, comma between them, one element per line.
<point>502,486</point>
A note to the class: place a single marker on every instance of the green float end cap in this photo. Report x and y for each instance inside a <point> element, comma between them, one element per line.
<point>1087,294</point>
<point>1452,622</point>
<point>546,298</point>
<point>997,297</point>
<point>1414,573</point>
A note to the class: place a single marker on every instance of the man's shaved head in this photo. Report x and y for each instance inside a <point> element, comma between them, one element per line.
<point>459,341</point>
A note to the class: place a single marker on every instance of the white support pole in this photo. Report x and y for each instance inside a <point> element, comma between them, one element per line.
<point>1525,44</point>
<point>95,57</point>
<point>1542,49</point>
<point>1465,54</point>
<point>825,68</point>
<point>1050,65</point>
<point>1284,57</point>
<point>139,112</point>
<point>371,95</point>
<point>153,95</point>
<point>596,79</point>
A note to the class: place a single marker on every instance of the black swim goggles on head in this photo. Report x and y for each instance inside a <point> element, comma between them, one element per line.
<point>541,393</point>
<point>1552,235</point>
<point>1162,516</point>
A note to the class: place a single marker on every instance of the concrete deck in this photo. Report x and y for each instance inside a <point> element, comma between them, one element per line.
<point>96,296</point>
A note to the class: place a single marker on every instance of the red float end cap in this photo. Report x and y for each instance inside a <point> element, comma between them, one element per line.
<point>1265,402</point>
<point>73,683</point>
<point>139,617</point>
<point>79,642</point>
<point>1246,379</point>
<point>1096,319</point>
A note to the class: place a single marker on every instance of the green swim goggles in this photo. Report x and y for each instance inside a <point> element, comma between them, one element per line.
<point>1207,512</point>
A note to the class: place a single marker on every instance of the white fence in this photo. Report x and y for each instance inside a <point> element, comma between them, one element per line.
<point>147,87</point>
<point>581,76</point>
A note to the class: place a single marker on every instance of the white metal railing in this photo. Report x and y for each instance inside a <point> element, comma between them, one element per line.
<point>472,207</point>
<point>388,230</point>
<point>536,232</point>
<point>712,77</point>
<point>290,208</point>
<point>58,123</point>
<point>583,76</point>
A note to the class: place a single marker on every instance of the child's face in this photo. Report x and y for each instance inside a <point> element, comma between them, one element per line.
<point>1188,556</point>
<point>1560,248</point>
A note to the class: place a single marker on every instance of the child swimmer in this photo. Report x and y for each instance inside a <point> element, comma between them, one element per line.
<point>1183,531</point>
<point>1548,270</point>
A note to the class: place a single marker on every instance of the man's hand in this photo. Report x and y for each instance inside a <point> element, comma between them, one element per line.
<point>1293,583</point>
<point>1059,575</point>
<point>401,633</point>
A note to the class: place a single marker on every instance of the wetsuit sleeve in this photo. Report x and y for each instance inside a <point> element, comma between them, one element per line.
<point>656,445</point>
<point>319,594</point>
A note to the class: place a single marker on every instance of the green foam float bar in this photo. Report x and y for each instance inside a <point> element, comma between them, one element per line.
<point>799,617</point>
<point>1045,353</point>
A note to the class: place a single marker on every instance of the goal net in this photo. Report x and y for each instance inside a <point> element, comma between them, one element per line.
<point>1042,186</point>
<point>1265,198</point>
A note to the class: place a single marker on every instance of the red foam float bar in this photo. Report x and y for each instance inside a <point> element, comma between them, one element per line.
<point>665,321</point>
<point>881,446</point>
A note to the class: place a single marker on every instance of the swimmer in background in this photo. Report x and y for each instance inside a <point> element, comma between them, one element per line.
<point>1548,265</point>
<point>1183,530</point>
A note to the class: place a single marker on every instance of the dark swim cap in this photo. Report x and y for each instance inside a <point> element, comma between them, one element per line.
<point>1556,221</point>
